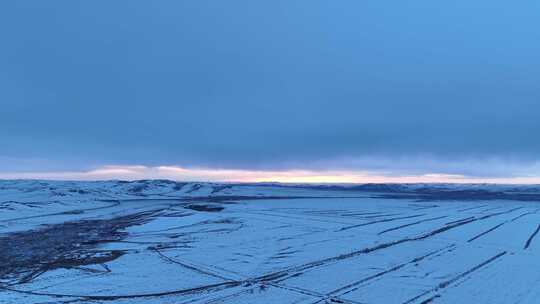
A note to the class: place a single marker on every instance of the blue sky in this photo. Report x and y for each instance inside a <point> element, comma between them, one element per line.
<point>372,88</point>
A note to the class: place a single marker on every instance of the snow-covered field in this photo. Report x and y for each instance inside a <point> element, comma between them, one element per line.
<point>167,242</point>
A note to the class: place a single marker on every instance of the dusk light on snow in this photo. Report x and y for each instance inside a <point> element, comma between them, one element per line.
<point>269,152</point>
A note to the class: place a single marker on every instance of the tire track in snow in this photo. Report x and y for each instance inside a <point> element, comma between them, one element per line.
<point>297,270</point>
<point>190,267</point>
<point>380,221</point>
<point>486,232</point>
<point>460,220</point>
<point>412,224</point>
<point>472,208</point>
<point>525,214</point>
<point>498,225</point>
<point>205,288</point>
<point>445,284</point>
<point>353,286</point>
<point>528,243</point>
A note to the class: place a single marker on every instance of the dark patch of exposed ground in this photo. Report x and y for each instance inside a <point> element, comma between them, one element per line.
<point>204,207</point>
<point>26,255</point>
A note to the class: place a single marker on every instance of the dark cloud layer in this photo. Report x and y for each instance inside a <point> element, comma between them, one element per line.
<point>251,84</point>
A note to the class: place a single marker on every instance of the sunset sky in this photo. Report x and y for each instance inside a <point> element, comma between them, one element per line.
<point>290,91</point>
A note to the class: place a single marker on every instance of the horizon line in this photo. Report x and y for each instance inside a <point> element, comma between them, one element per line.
<point>292,176</point>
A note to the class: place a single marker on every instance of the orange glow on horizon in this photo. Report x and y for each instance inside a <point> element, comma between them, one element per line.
<point>254,176</point>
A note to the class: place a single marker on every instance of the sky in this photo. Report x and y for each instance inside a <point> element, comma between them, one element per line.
<point>292,91</point>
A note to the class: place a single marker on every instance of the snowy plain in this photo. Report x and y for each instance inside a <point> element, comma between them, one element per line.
<point>169,242</point>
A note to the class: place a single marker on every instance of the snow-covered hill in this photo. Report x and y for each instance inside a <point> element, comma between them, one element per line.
<point>44,190</point>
